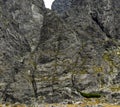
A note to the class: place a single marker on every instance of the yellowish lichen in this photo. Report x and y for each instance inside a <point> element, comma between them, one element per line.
<point>115,88</point>
<point>97,69</point>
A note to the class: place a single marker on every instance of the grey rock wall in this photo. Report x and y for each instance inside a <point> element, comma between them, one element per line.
<point>61,6</point>
<point>50,57</point>
<point>96,23</point>
<point>20,24</point>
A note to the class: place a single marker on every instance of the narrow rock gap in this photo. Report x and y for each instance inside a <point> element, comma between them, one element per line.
<point>95,19</point>
<point>48,3</point>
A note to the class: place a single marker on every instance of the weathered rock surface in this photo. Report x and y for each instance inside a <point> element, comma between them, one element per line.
<point>51,57</point>
<point>20,24</point>
<point>96,24</point>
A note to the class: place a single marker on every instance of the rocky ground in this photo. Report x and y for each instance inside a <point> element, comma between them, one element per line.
<point>60,105</point>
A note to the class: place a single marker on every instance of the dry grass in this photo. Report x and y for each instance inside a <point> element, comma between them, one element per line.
<point>60,105</point>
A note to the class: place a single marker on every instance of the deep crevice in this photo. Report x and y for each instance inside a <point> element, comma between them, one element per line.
<point>95,19</point>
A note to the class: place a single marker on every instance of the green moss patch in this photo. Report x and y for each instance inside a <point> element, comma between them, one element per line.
<point>90,95</point>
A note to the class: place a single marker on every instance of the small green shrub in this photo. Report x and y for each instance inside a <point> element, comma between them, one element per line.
<point>90,95</point>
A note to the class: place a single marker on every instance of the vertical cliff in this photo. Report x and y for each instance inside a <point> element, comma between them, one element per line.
<point>20,24</point>
<point>97,26</point>
<point>53,57</point>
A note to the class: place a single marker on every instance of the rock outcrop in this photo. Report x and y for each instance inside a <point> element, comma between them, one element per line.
<point>51,57</point>
<point>20,24</point>
<point>97,26</point>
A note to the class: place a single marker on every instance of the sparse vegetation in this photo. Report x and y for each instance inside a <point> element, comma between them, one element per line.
<point>90,95</point>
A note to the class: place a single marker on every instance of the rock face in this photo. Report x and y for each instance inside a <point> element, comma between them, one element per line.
<point>20,24</point>
<point>50,57</point>
<point>61,5</point>
<point>97,26</point>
